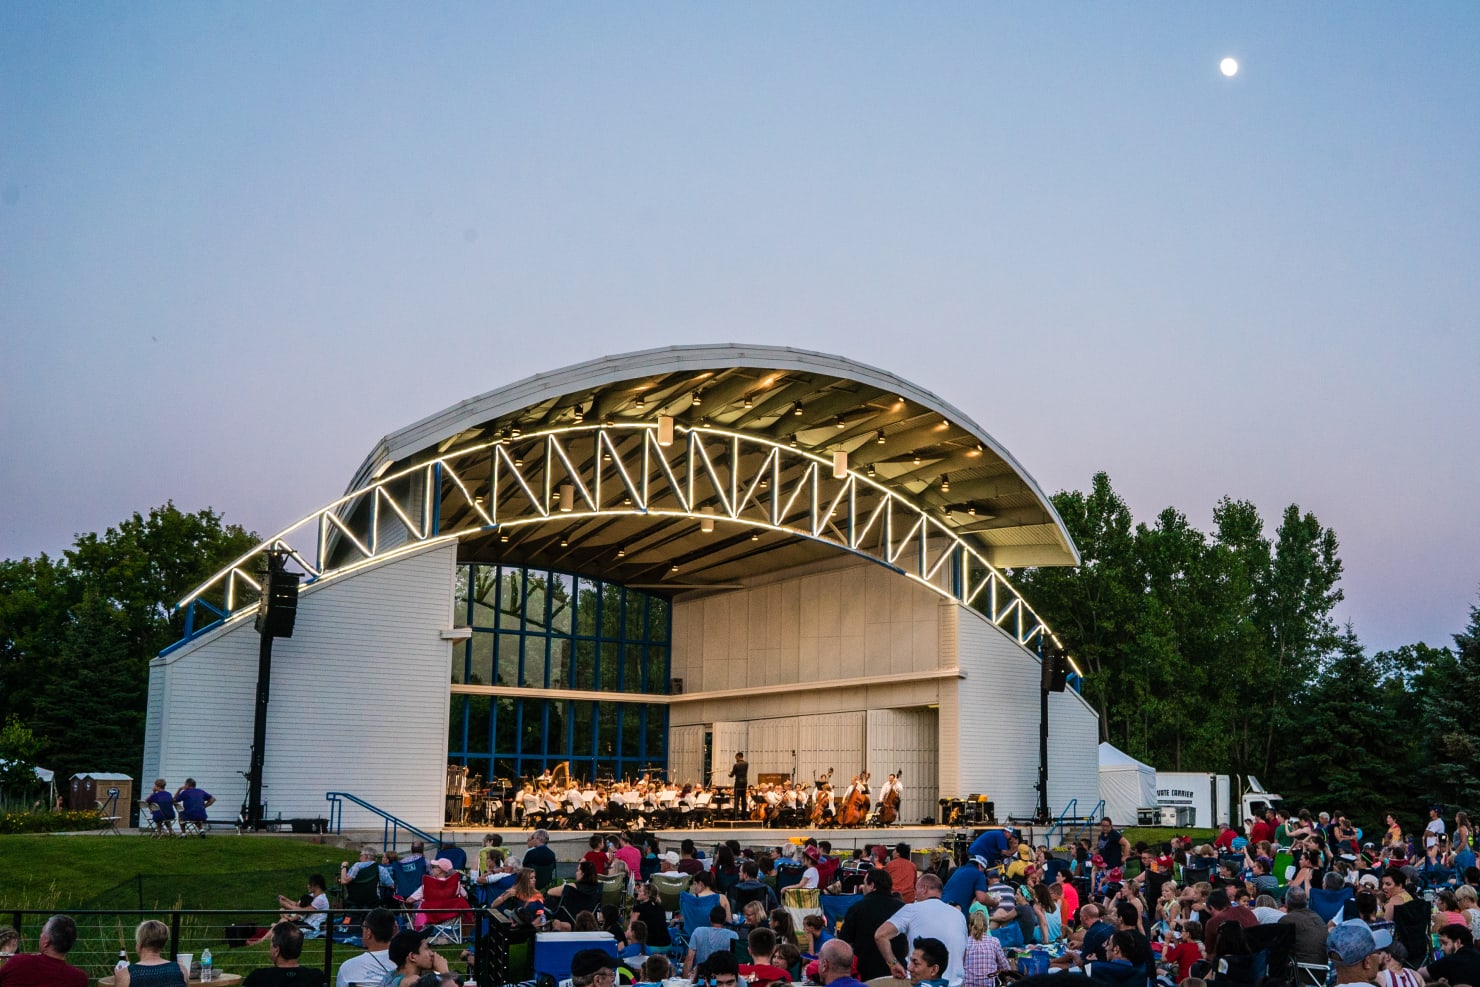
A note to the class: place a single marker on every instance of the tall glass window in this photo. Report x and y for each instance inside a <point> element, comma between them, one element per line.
<point>541,629</point>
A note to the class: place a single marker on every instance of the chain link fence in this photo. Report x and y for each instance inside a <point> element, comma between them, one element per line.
<point>237,939</point>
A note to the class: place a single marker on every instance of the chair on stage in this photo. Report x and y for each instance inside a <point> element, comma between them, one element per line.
<point>443,909</point>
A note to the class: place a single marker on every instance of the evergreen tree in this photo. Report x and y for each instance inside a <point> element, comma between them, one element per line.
<point>1454,734</point>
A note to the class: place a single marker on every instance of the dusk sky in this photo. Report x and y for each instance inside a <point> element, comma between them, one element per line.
<point>239,242</point>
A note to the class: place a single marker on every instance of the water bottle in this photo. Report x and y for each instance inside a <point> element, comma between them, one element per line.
<point>207,971</point>
<point>122,963</point>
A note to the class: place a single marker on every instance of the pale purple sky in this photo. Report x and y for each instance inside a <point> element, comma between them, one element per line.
<point>1059,217</point>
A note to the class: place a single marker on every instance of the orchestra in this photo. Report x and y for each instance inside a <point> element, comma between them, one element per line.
<point>557,800</point>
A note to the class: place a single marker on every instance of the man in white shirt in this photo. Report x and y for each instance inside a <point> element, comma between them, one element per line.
<point>930,918</point>
<point>1435,828</point>
<point>371,966</point>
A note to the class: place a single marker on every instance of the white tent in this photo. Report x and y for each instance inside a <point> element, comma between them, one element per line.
<point>1125,784</point>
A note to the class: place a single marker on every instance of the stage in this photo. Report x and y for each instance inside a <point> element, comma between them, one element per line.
<point>570,844</point>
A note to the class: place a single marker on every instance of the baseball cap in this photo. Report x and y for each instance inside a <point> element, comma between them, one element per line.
<point>1352,942</point>
<point>979,859</point>
<point>588,961</point>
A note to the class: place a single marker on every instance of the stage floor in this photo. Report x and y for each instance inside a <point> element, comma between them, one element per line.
<point>564,841</point>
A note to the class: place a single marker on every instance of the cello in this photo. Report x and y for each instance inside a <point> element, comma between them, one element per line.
<point>856,805</point>
<point>889,804</point>
<point>820,812</point>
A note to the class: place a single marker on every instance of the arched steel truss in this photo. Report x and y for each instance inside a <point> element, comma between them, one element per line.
<point>698,474</point>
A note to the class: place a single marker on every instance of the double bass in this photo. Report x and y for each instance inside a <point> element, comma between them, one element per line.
<point>819,813</point>
<point>856,805</point>
<point>889,804</point>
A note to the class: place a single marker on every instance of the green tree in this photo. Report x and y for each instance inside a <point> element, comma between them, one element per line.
<point>1327,755</point>
<point>77,633</point>
<point>1096,609</point>
<point>18,747</point>
<point>1454,735</point>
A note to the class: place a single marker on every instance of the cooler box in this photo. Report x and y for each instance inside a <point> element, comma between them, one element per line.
<point>553,951</point>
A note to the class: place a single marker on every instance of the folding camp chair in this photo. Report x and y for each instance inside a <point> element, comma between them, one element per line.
<point>1327,904</point>
<point>669,888</point>
<point>694,910</point>
<point>407,875</point>
<point>442,909</point>
<point>613,890</point>
<point>1411,928</point>
<point>454,853</point>
<point>108,816</point>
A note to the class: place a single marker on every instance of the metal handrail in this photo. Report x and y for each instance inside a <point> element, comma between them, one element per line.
<point>391,832</point>
<point>1068,817</point>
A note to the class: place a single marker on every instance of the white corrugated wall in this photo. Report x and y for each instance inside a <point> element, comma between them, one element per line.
<point>904,741</point>
<point>686,752</point>
<point>997,726</point>
<point>358,702</point>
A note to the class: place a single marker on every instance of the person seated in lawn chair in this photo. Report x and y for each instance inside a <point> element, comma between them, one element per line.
<point>441,897</point>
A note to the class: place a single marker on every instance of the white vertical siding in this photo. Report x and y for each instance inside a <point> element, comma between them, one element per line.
<point>152,718</point>
<point>358,702</point>
<point>850,621</point>
<point>904,740</point>
<point>997,726</point>
<point>728,740</point>
<point>830,740</point>
<point>686,752</point>
<point>773,747</point>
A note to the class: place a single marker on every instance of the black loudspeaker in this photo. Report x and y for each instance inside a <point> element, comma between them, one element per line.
<point>278,606</point>
<point>1055,671</point>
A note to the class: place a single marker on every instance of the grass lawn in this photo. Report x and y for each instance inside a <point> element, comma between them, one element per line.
<point>221,871</point>
<point>55,873</point>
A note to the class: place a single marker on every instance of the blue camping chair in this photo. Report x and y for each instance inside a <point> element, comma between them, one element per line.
<point>454,853</point>
<point>835,906</point>
<point>408,875</point>
<point>695,910</point>
<point>1328,904</point>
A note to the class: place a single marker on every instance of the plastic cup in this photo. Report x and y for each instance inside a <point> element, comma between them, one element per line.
<point>184,960</point>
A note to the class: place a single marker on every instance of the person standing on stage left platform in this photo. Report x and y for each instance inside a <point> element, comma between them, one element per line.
<point>741,773</point>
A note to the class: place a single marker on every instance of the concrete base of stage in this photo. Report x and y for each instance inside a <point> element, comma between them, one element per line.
<point>570,844</point>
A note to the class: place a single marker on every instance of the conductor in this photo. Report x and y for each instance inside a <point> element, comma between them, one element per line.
<point>740,772</point>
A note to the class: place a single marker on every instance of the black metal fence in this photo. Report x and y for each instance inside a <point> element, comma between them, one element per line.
<point>232,938</point>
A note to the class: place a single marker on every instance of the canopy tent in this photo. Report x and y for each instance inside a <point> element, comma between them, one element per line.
<point>1126,784</point>
<point>43,777</point>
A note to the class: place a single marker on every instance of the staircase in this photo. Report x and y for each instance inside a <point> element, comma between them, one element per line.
<point>393,827</point>
<point>1070,827</point>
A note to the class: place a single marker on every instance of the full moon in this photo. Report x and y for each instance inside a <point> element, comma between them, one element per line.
<point>1228,67</point>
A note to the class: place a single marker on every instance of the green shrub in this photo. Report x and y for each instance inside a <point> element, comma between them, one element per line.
<point>49,822</point>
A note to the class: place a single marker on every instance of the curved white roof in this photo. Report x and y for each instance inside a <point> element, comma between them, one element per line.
<point>917,442</point>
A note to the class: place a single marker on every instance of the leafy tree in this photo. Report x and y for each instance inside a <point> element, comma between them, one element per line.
<point>18,747</point>
<point>77,633</point>
<point>1098,607</point>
